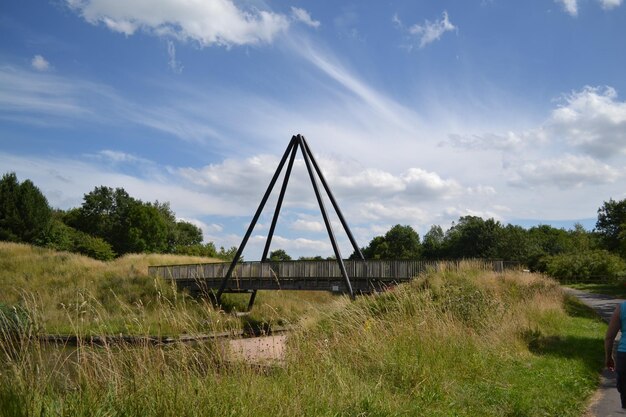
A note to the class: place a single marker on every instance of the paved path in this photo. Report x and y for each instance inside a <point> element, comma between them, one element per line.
<point>605,402</point>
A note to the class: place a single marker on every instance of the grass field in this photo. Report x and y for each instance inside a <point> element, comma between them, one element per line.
<point>463,343</point>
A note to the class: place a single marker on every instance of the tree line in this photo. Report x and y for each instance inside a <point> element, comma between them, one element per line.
<point>575,254</point>
<point>109,223</point>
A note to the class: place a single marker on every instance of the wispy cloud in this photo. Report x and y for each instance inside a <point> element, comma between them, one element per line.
<point>174,65</point>
<point>303,16</point>
<point>428,31</point>
<point>392,111</point>
<point>46,99</point>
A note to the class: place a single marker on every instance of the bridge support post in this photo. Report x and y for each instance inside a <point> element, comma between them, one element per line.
<point>311,165</point>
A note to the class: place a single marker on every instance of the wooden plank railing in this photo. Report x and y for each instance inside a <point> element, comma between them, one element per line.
<point>304,275</point>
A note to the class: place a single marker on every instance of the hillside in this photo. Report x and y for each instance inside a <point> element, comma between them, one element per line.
<point>463,343</point>
<point>70,293</point>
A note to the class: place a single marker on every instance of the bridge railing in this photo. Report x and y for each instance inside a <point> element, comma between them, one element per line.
<point>326,269</point>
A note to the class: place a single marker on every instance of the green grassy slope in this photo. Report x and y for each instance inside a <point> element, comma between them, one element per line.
<point>463,343</point>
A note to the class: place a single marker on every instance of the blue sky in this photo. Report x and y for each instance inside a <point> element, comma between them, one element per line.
<point>418,112</point>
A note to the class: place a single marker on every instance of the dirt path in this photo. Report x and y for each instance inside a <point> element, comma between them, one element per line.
<point>605,402</point>
<point>259,350</point>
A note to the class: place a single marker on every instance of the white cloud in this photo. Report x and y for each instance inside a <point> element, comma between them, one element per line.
<point>570,6</point>
<point>509,141</point>
<point>308,225</point>
<point>303,16</point>
<point>593,120</point>
<point>429,32</point>
<point>610,4</point>
<point>215,22</point>
<point>313,245</point>
<point>391,212</point>
<point>39,63</point>
<point>565,172</point>
<point>174,65</point>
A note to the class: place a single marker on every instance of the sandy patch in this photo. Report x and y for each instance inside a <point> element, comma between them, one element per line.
<point>258,350</point>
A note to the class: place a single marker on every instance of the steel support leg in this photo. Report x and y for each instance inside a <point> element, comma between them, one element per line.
<point>252,298</point>
<point>292,144</point>
<point>332,199</point>
<point>279,203</point>
<point>329,228</point>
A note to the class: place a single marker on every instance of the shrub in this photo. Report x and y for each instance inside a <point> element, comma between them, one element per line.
<point>65,238</point>
<point>585,266</point>
<point>93,247</point>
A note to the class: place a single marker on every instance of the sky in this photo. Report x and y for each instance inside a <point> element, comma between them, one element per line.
<point>417,112</point>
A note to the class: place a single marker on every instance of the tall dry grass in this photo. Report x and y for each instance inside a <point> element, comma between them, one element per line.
<point>452,343</point>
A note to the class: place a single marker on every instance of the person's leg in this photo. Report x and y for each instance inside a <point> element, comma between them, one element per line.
<point>620,368</point>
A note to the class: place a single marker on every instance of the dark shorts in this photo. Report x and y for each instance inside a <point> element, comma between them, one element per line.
<point>620,368</point>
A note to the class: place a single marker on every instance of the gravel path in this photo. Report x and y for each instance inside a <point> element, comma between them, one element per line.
<point>605,402</point>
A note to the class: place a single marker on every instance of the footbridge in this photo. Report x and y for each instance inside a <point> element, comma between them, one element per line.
<point>366,276</point>
<point>338,275</point>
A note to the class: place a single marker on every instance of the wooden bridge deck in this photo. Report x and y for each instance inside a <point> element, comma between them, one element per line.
<point>365,276</point>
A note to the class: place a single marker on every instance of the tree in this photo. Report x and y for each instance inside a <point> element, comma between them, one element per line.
<point>279,255</point>
<point>545,240</point>
<point>147,230</point>
<point>473,237</point>
<point>611,226</point>
<point>24,211</point>
<point>513,244</point>
<point>400,242</point>
<point>127,224</point>
<point>432,245</point>
<point>319,258</point>
<point>187,234</point>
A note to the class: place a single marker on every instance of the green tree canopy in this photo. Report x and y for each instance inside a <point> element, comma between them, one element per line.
<point>130,225</point>
<point>432,244</point>
<point>24,211</point>
<point>279,255</point>
<point>400,242</point>
<point>473,237</point>
<point>611,226</point>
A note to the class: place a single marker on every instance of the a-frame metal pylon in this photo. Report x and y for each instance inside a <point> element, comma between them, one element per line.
<point>312,167</point>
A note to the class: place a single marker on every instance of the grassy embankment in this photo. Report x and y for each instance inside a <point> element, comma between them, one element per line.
<point>463,343</point>
<point>73,294</point>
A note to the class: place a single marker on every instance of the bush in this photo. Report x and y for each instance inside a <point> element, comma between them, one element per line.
<point>94,247</point>
<point>65,238</point>
<point>585,266</point>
